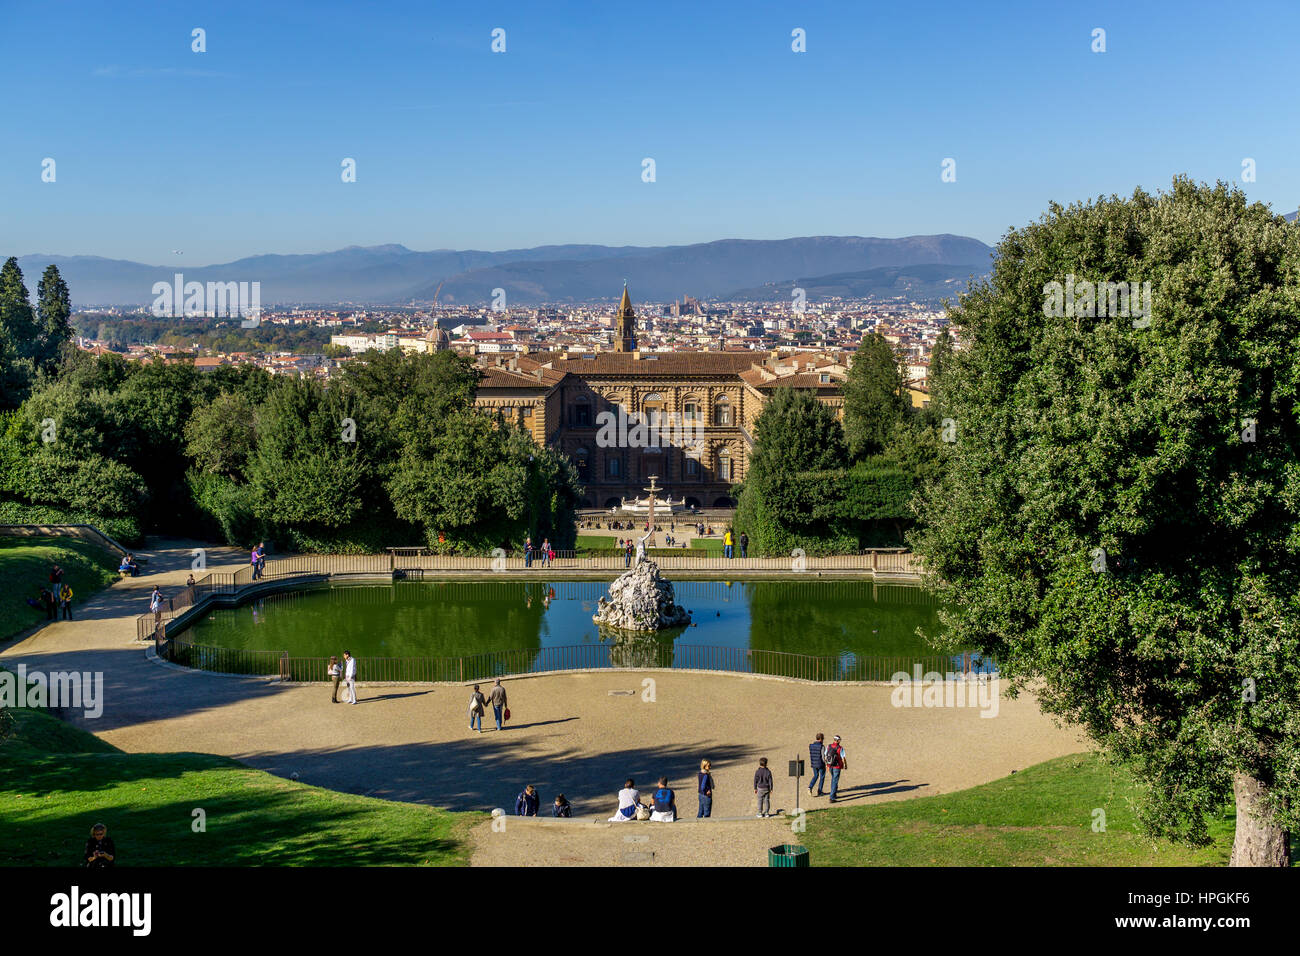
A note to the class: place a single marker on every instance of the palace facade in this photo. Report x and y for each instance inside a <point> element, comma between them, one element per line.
<point>702,405</point>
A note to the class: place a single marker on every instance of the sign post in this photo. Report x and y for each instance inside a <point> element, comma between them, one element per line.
<point>796,771</point>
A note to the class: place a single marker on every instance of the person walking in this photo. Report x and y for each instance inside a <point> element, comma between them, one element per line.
<point>253,559</point>
<point>706,790</point>
<point>350,677</point>
<point>261,559</point>
<point>763,788</point>
<point>817,764</point>
<point>744,545</point>
<point>335,673</point>
<point>627,553</point>
<point>835,762</point>
<point>498,699</point>
<point>155,605</point>
<point>477,705</point>
<point>726,544</point>
<point>65,601</point>
<point>526,803</point>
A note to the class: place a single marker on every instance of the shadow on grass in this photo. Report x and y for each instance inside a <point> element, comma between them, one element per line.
<point>249,825</point>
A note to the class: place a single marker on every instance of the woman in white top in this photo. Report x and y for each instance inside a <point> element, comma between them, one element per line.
<point>629,801</point>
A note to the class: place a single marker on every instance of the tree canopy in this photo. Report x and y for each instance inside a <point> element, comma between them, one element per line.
<point>1118,520</point>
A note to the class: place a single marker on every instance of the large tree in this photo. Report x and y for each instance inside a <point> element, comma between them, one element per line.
<point>19,335</point>
<point>1118,521</point>
<point>53,312</point>
<point>875,397</point>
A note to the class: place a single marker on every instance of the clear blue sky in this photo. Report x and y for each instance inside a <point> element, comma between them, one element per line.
<point>237,151</point>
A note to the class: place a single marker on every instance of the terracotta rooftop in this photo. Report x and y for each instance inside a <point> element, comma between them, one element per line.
<point>651,363</point>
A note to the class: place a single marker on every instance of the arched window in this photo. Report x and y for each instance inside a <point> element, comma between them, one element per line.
<point>722,411</point>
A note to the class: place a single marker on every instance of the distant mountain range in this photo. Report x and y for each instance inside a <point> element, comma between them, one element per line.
<point>918,283</point>
<point>395,275</point>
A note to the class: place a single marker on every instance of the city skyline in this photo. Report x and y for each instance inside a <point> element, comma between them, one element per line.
<point>238,150</point>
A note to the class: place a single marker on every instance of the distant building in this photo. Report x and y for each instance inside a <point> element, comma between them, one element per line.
<point>560,397</point>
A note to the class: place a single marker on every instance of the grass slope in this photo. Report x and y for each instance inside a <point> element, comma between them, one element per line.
<point>56,781</point>
<point>25,568</point>
<point>1042,815</point>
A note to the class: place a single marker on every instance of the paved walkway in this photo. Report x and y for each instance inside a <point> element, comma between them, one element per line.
<point>580,734</point>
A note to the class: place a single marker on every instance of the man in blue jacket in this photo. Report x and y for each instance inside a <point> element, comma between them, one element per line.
<point>526,803</point>
<point>817,765</point>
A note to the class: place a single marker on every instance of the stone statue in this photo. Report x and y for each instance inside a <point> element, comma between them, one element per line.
<point>641,600</point>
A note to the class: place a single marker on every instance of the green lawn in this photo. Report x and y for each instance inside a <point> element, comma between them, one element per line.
<point>25,568</point>
<point>709,544</point>
<point>1041,816</point>
<point>596,542</point>
<point>56,781</point>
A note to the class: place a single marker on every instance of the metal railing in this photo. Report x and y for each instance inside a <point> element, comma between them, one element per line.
<point>636,654</point>
<point>400,562</point>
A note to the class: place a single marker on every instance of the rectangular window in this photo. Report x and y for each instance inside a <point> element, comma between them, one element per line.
<point>692,468</point>
<point>612,467</point>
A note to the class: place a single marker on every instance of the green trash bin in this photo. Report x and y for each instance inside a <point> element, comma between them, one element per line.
<point>787,854</point>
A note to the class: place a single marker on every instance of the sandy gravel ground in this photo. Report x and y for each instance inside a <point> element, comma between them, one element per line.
<point>580,734</point>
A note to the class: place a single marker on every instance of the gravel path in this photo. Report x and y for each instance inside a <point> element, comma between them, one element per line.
<point>580,734</point>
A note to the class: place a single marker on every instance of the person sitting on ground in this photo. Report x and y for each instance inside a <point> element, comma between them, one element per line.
<point>562,807</point>
<point>527,802</point>
<point>629,801</point>
<point>665,803</point>
<point>100,851</point>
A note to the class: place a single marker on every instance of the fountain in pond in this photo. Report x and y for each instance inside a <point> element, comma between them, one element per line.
<point>642,600</point>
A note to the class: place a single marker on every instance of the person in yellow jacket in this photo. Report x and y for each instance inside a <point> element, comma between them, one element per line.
<point>65,602</point>
<point>726,544</point>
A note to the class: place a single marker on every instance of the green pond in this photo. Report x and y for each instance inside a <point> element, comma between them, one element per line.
<point>855,629</point>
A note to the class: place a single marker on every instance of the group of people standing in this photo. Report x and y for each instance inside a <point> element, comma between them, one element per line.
<point>55,597</point>
<point>823,757</point>
<point>545,553</point>
<point>729,542</point>
<point>344,673</point>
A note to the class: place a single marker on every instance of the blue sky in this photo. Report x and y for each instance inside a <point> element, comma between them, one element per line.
<point>237,151</point>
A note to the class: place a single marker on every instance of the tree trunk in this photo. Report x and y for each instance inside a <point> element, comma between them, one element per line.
<point>1256,843</point>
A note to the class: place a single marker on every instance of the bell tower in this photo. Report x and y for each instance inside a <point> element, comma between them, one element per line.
<point>625,325</point>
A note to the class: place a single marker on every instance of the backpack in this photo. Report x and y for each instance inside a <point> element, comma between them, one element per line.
<point>831,756</point>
